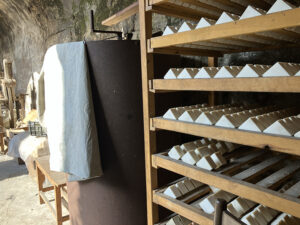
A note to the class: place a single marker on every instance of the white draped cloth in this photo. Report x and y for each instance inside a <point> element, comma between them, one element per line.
<point>65,108</point>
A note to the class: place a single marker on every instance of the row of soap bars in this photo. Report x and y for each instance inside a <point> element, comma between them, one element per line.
<point>279,69</point>
<point>279,5</point>
<point>267,119</point>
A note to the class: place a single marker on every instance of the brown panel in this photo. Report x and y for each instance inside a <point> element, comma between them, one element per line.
<point>118,197</point>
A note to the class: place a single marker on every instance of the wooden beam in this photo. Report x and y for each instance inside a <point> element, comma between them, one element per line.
<point>262,84</point>
<point>122,15</point>
<point>148,110</point>
<point>274,21</point>
<point>277,143</point>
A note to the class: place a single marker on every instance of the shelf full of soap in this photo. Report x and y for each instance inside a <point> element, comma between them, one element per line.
<point>251,37</point>
<point>204,197</point>
<point>279,69</point>
<point>266,119</point>
<point>242,172</point>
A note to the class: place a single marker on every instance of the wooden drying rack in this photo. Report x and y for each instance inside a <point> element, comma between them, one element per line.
<point>212,42</point>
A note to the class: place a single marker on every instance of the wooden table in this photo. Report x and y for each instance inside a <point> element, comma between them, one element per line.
<point>58,181</point>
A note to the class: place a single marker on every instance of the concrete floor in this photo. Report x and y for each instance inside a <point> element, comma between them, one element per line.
<point>19,203</point>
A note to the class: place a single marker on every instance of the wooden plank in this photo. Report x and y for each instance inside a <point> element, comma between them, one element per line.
<point>256,193</point>
<point>122,15</point>
<point>190,212</point>
<point>58,204</point>
<point>58,179</point>
<point>238,163</point>
<point>184,51</point>
<point>148,110</point>
<point>277,143</point>
<point>275,21</point>
<point>263,84</point>
<point>46,200</point>
<point>174,10</point>
<point>279,176</point>
<point>259,168</point>
<point>212,61</point>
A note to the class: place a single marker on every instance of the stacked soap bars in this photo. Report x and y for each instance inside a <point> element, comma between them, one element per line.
<point>204,153</point>
<point>267,119</point>
<point>248,211</point>
<point>279,5</point>
<point>182,188</point>
<point>279,69</point>
<point>178,220</point>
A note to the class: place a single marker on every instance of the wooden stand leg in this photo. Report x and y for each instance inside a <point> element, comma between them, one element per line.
<point>212,61</point>
<point>58,205</point>
<point>2,141</point>
<point>40,179</point>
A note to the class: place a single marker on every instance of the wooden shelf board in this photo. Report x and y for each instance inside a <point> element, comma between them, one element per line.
<point>264,196</point>
<point>263,84</point>
<point>260,140</point>
<point>209,9</point>
<point>190,212</point>
<point>271,22</point>
<point>122,15</point>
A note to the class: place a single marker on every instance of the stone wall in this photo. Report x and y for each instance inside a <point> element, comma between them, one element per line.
<point>29,27</point>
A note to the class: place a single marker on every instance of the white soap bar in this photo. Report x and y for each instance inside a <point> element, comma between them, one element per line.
<point>207,72</point>
<point>190,115</point>
<point>186,26</point>
<point>196,183</point>
<point>174,113</point>
<point>231,146</point>
<point>228,72</point>
<point>279,220</point>
<point>189,146</point>
<point>259,218</point>
<point>249,220</point>
<point>203,151</point>
<point>176,220</point>
<point>183,189</point>
<point>170,30</point>
<point>297,134</point>
<point>188,184</point>
<point>280,5</point>
<point>173,73</point>
<point>173,192</point>
<point>176,152</point>
<point>252,12</point>
<point>281,127</point>
<point>227,17</point>
<point>206,163</point>
<point>253,70</point>
<point>188,73</point>
<point>208,204</point>
<point>205,22</point>
<point>190,157</point>
<point>218,159</point>
<point>282,69</point>
<point>265,213</point>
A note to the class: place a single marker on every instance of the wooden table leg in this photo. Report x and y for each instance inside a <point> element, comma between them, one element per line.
<point>40,179</point>
<point>2,141</point>
<point>58,205</point>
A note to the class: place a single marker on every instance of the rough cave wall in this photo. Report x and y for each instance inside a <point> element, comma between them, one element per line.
<point>29,27</point>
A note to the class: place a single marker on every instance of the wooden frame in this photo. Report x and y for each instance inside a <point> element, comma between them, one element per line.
<point>58,182</point>
<point>211,42</point>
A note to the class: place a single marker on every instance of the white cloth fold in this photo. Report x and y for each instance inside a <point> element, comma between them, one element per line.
<point>68,112</point>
